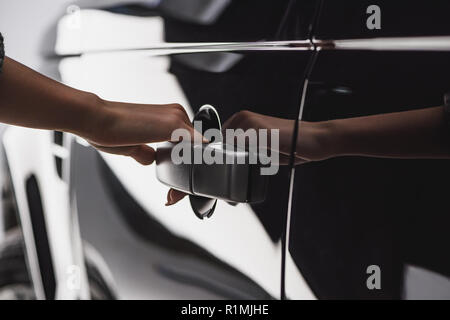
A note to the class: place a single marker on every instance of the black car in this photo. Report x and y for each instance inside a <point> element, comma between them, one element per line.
<point>318,230</point>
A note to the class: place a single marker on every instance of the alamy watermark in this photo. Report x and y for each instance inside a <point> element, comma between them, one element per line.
<point>254,142</point>
<point>373,282</point>
<point>373,22</point>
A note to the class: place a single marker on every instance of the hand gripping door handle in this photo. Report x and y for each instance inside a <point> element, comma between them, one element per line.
<point>235,180</point>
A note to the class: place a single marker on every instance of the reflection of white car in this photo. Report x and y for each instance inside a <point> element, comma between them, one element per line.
<point>234,235</point>
<point>36,191</point>
<point>236,254</point>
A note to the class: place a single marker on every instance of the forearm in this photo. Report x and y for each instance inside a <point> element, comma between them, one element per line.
<point>410,134</point>
<point>30,99</point>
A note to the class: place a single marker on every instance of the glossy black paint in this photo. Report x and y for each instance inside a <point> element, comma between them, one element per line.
<point>242,20</point>
<point>347,213</point>
<point>230,20</point>
<point>264,82</point>
<point>352,212</point>
<point>400,18</point>
<point>267,82</point>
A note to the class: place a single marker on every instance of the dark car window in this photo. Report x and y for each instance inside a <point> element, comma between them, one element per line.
<point>348,19</point>
<point>239,20</point>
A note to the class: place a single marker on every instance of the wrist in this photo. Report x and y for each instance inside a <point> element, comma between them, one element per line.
<point>330,137</point>
<point>92,112</point>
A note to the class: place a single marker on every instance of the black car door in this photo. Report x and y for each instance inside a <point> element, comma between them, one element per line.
<point>353,215</point>
<point>266,80</point>
<point>233,55</point>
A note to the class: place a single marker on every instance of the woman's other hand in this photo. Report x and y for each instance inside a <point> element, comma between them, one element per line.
<point>313,141</point>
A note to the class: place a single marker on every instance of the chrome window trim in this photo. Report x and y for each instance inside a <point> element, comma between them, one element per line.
<point>431,43</point>
<point>426,43</point>
<point>196,47</point>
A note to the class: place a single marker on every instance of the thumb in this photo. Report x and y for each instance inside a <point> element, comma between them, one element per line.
<point>173,196</point>
<point>143,154</point>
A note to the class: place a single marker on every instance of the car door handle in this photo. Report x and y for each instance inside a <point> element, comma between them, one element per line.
<point>236,179</point>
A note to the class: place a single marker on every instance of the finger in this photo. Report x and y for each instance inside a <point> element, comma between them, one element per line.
<point>192,134</point>
<point>173,196</point>
<point>240,119</point>
<point>143,154</point>
<point>230,123</point>
<point>184,112</point>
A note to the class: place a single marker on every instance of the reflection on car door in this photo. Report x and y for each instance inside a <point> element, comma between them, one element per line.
<point>266,78</point>
<point>350,213</point>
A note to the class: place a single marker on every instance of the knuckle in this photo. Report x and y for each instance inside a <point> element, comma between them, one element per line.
<point>175,121</point>
<point>243,114</point>
<point>240,118</point>
<point>178,111</point>
<point>177,108</point>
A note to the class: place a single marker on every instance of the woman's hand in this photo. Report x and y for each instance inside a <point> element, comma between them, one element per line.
<point>126,128</point>
<point>313,142</point>
<point>32,100</point>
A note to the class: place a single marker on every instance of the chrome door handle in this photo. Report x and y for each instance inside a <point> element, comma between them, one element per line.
<point>236,180</point>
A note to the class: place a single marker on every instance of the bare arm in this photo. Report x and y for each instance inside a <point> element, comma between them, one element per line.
<point>30,99</point>
<point>410,134</point>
